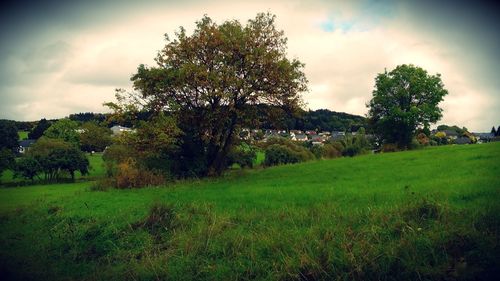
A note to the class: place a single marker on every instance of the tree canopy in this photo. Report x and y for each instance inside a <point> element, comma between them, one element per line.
<point>8,135</point>
<point>54,156</point>
<point>94,137</point>
<point>209,79</point>
<point>8,144</point>
<point>64,129</point>
<point>39,129</point>
<point>403,100</point>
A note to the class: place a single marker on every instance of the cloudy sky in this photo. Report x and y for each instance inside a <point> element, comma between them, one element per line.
<point>63,57</point>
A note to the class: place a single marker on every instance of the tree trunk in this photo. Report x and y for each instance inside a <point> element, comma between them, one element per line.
<point>217,165</point>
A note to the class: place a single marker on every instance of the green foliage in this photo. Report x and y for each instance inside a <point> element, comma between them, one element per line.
<point>130,175</point>
<point>152,146</point>
<point>85,117</point>
<point>116,154</point>
<point>353,145</point>
<point>403,100</point>
<point>8,144</point>
<point>460,131</point>
<point>210,78</point>
<point>23,135</point>
<point>94,137</point>
<point>243,155</point>
<point>440,138</point>
<point>64,129</point>
<point>331,150</point>
<point>8,135</point>
<point>398,216</point>
<point>39,129</point>
<point>56,156</point>
<point>326,120</point>
<point>27,167</point>
<point>281,151</point>
<point>161,218</point>
<point>279,154</point>
<point>7,159</point>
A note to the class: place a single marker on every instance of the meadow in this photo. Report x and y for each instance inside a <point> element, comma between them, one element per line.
<point>418,215</point>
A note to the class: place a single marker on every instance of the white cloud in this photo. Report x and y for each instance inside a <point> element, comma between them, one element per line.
<point>77,70</point>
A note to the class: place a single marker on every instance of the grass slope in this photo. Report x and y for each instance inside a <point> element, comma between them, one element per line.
<point>427,214</point>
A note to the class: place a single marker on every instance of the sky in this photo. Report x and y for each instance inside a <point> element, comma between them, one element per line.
<point>63,57</point>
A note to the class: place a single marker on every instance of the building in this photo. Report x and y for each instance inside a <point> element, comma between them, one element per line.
<point>118,130</point>
<point>24,145</point>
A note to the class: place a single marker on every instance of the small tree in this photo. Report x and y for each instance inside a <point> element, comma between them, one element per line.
<point>94,137</point>
<point>27,167</point>
<point>403,100</point>
<point>56,156</point>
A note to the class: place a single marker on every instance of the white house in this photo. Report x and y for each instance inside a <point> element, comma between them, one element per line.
<point>117,130</point>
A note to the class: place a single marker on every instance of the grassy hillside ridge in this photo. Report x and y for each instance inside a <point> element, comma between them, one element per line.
<point>430,213</point>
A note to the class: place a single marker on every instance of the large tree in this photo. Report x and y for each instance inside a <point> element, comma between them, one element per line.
<point>404,100</point>
<point>208,80</point>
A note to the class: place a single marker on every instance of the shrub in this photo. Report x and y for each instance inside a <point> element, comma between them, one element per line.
<point>331,151</point>
<point>415,144</point>
<point>389,147</point>
<point>244,156</point>
<point>129,175</point>
<point>423,139</point>
<point>352,145</point>
<point>317,150</point>
<point>277,154</point>
<point>103,184</point>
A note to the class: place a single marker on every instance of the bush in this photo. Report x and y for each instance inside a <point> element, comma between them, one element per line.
<point>317,150</point>
<point>244,156</point>
<point>103,184</point>
<point>352,145</point>
<point>129,175</point>
<point>331,151</point>
<point>389,147</point>
<point>415,144</point>
<point>423,139</point>
<point>277,154</point>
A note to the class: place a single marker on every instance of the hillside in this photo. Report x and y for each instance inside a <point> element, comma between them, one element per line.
<point>426,214</point>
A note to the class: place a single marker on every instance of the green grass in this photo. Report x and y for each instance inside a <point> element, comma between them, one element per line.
<point>419,215</point>
<point>22,135</point>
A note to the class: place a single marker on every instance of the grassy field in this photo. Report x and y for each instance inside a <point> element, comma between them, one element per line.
<point>431,214</point>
